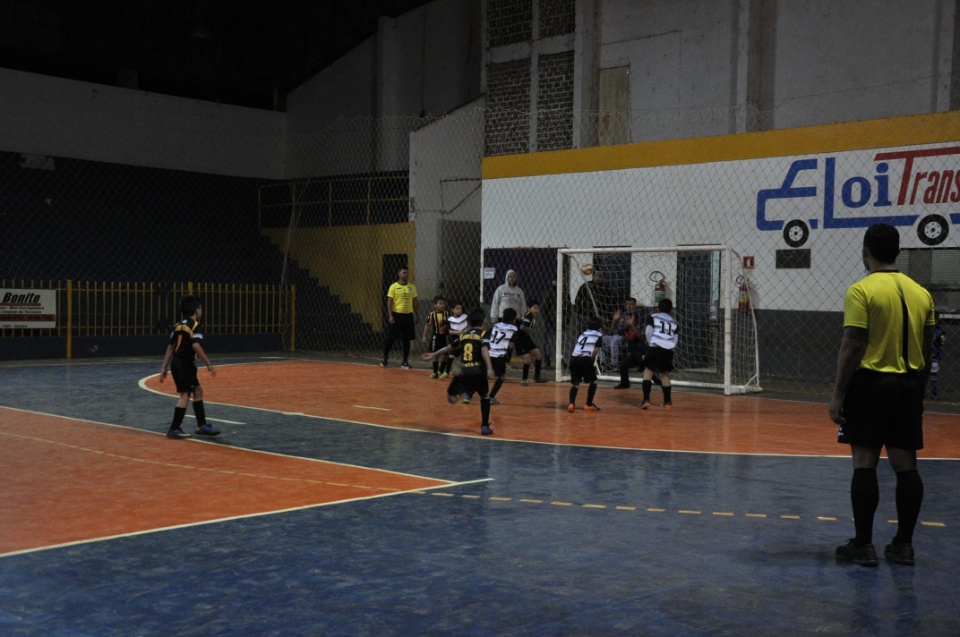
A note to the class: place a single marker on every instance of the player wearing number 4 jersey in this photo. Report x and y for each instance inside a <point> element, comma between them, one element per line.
<point>582,366</point>
<point>662,335</point>
<point>476,370</point>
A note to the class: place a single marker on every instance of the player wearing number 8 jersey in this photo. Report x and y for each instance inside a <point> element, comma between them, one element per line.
<point>662,335</point>
<point>476,370</point>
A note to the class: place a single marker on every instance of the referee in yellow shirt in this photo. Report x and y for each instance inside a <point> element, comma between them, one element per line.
<point>401,316</point>
<point>882,368</point>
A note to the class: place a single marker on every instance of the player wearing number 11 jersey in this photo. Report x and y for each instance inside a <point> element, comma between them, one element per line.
<point>662,335</point>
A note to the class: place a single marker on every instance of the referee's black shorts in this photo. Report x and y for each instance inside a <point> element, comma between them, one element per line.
<point>403,327</point>
<point>883,410</point>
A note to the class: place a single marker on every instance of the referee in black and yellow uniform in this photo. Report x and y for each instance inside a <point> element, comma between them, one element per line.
<point>882,369</point>
<point>401,316</point>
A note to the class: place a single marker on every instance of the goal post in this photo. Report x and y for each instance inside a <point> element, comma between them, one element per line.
<point>717,346</point>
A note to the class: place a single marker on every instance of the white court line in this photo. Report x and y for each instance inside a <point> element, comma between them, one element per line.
<point>247,516</point>
<point>368,407</point>
<point>229,422</point>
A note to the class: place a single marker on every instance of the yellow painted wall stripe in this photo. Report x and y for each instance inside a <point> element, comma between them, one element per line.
<point>878,133</point>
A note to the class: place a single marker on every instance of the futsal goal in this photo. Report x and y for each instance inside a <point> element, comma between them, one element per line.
<point>709,287</point>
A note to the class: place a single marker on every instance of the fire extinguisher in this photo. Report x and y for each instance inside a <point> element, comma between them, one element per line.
<point>744,294</point>
<point>660,287</point>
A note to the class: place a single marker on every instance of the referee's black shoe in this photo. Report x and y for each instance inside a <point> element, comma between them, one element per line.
<point>865,555</point>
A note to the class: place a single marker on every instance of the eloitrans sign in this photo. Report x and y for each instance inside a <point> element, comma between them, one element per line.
<point>27,309</point>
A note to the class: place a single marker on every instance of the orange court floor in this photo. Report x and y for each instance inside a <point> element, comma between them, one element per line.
<point>342,498</point>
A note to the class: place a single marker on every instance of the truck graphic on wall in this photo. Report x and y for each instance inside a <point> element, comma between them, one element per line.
<point>920,197</point>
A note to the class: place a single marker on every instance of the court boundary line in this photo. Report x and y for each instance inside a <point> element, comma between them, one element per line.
<point>142,384</point>
<point>222,446</point>
<point>242,517</point>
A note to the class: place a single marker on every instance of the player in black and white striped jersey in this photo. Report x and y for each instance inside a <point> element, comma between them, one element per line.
<point>662,335</point>
<point>501,337</point>
<point>582,364</point>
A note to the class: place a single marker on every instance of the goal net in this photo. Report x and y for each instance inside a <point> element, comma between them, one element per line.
<point>717,347</point>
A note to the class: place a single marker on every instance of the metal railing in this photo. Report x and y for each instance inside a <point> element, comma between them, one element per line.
<point>98,308</point>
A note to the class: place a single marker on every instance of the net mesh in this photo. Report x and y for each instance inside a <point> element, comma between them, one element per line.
<point>368,195</point>
<point>717,346</point>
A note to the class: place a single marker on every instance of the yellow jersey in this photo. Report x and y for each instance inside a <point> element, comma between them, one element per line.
<point>873,303</point>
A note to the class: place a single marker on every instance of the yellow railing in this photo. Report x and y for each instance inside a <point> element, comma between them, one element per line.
<point>94,308</point>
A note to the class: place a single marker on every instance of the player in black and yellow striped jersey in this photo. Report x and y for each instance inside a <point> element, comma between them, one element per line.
<point>180,358</point>
<point>476,369</point>
<point>436,330</point>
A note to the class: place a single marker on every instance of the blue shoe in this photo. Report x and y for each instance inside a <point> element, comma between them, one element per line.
<point>207,430</point>
<point>177,434</point>
<point>485,430</point>
<point>466,398</point>
<point>494,401</point>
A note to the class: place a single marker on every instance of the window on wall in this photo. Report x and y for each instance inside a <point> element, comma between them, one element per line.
<point>938,270</point>
<point>613,122</point>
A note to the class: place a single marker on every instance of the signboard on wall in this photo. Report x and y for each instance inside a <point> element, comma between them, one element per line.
<point>27,309</point>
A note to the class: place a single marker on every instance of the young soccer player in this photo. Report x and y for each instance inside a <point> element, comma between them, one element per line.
<point>525,346</point>
<point>180,359</point>
<point>476,369</point>
<point>662,336</point>
<point>501,338</point>
<point>436,328</point>
<point>582,364</point>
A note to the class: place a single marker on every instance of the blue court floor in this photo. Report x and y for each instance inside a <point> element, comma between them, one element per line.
<point>540,540</point>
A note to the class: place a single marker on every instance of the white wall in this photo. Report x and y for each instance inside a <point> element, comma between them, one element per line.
<point>445,159</point>
<point>718,202</point>
<point>819,61</point>
<point>50,116</point>
<point>849,61</point>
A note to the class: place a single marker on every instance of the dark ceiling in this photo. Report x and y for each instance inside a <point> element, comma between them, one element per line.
<point>242,52</point>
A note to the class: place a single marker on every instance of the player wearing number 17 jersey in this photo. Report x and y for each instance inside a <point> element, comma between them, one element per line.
<point>662,334</point>
<point>476,370</point>
<point>500,339</point>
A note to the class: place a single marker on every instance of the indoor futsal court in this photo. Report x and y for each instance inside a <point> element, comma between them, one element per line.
<point>347,499</point>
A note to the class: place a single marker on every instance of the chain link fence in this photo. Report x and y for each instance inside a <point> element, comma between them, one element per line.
<point>368,195</point>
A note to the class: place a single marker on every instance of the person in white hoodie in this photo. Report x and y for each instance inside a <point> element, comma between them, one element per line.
<point>508,295</point>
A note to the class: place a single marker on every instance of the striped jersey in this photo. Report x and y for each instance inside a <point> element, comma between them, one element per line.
<point>662,331</point>
<point>587,343</point>
<point>184,335</point>
<point>438,321</point>
<point>457,323</point>
<point>500,339</point>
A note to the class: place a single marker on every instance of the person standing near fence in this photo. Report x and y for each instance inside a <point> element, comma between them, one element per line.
<point>508,295</point>
<point>882,368</point>
<point>180,359</point>
<point>401,316</point>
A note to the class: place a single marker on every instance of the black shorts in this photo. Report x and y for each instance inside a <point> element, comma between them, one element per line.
<point>883,410</point>
<point>659,360</point>
<point>582,369</point>
<point>439,341</point>
<point>472,384</point>
<point>403,327</point>
<point>499,365</point>
<point>184,374</point>
<point>523,343</point>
